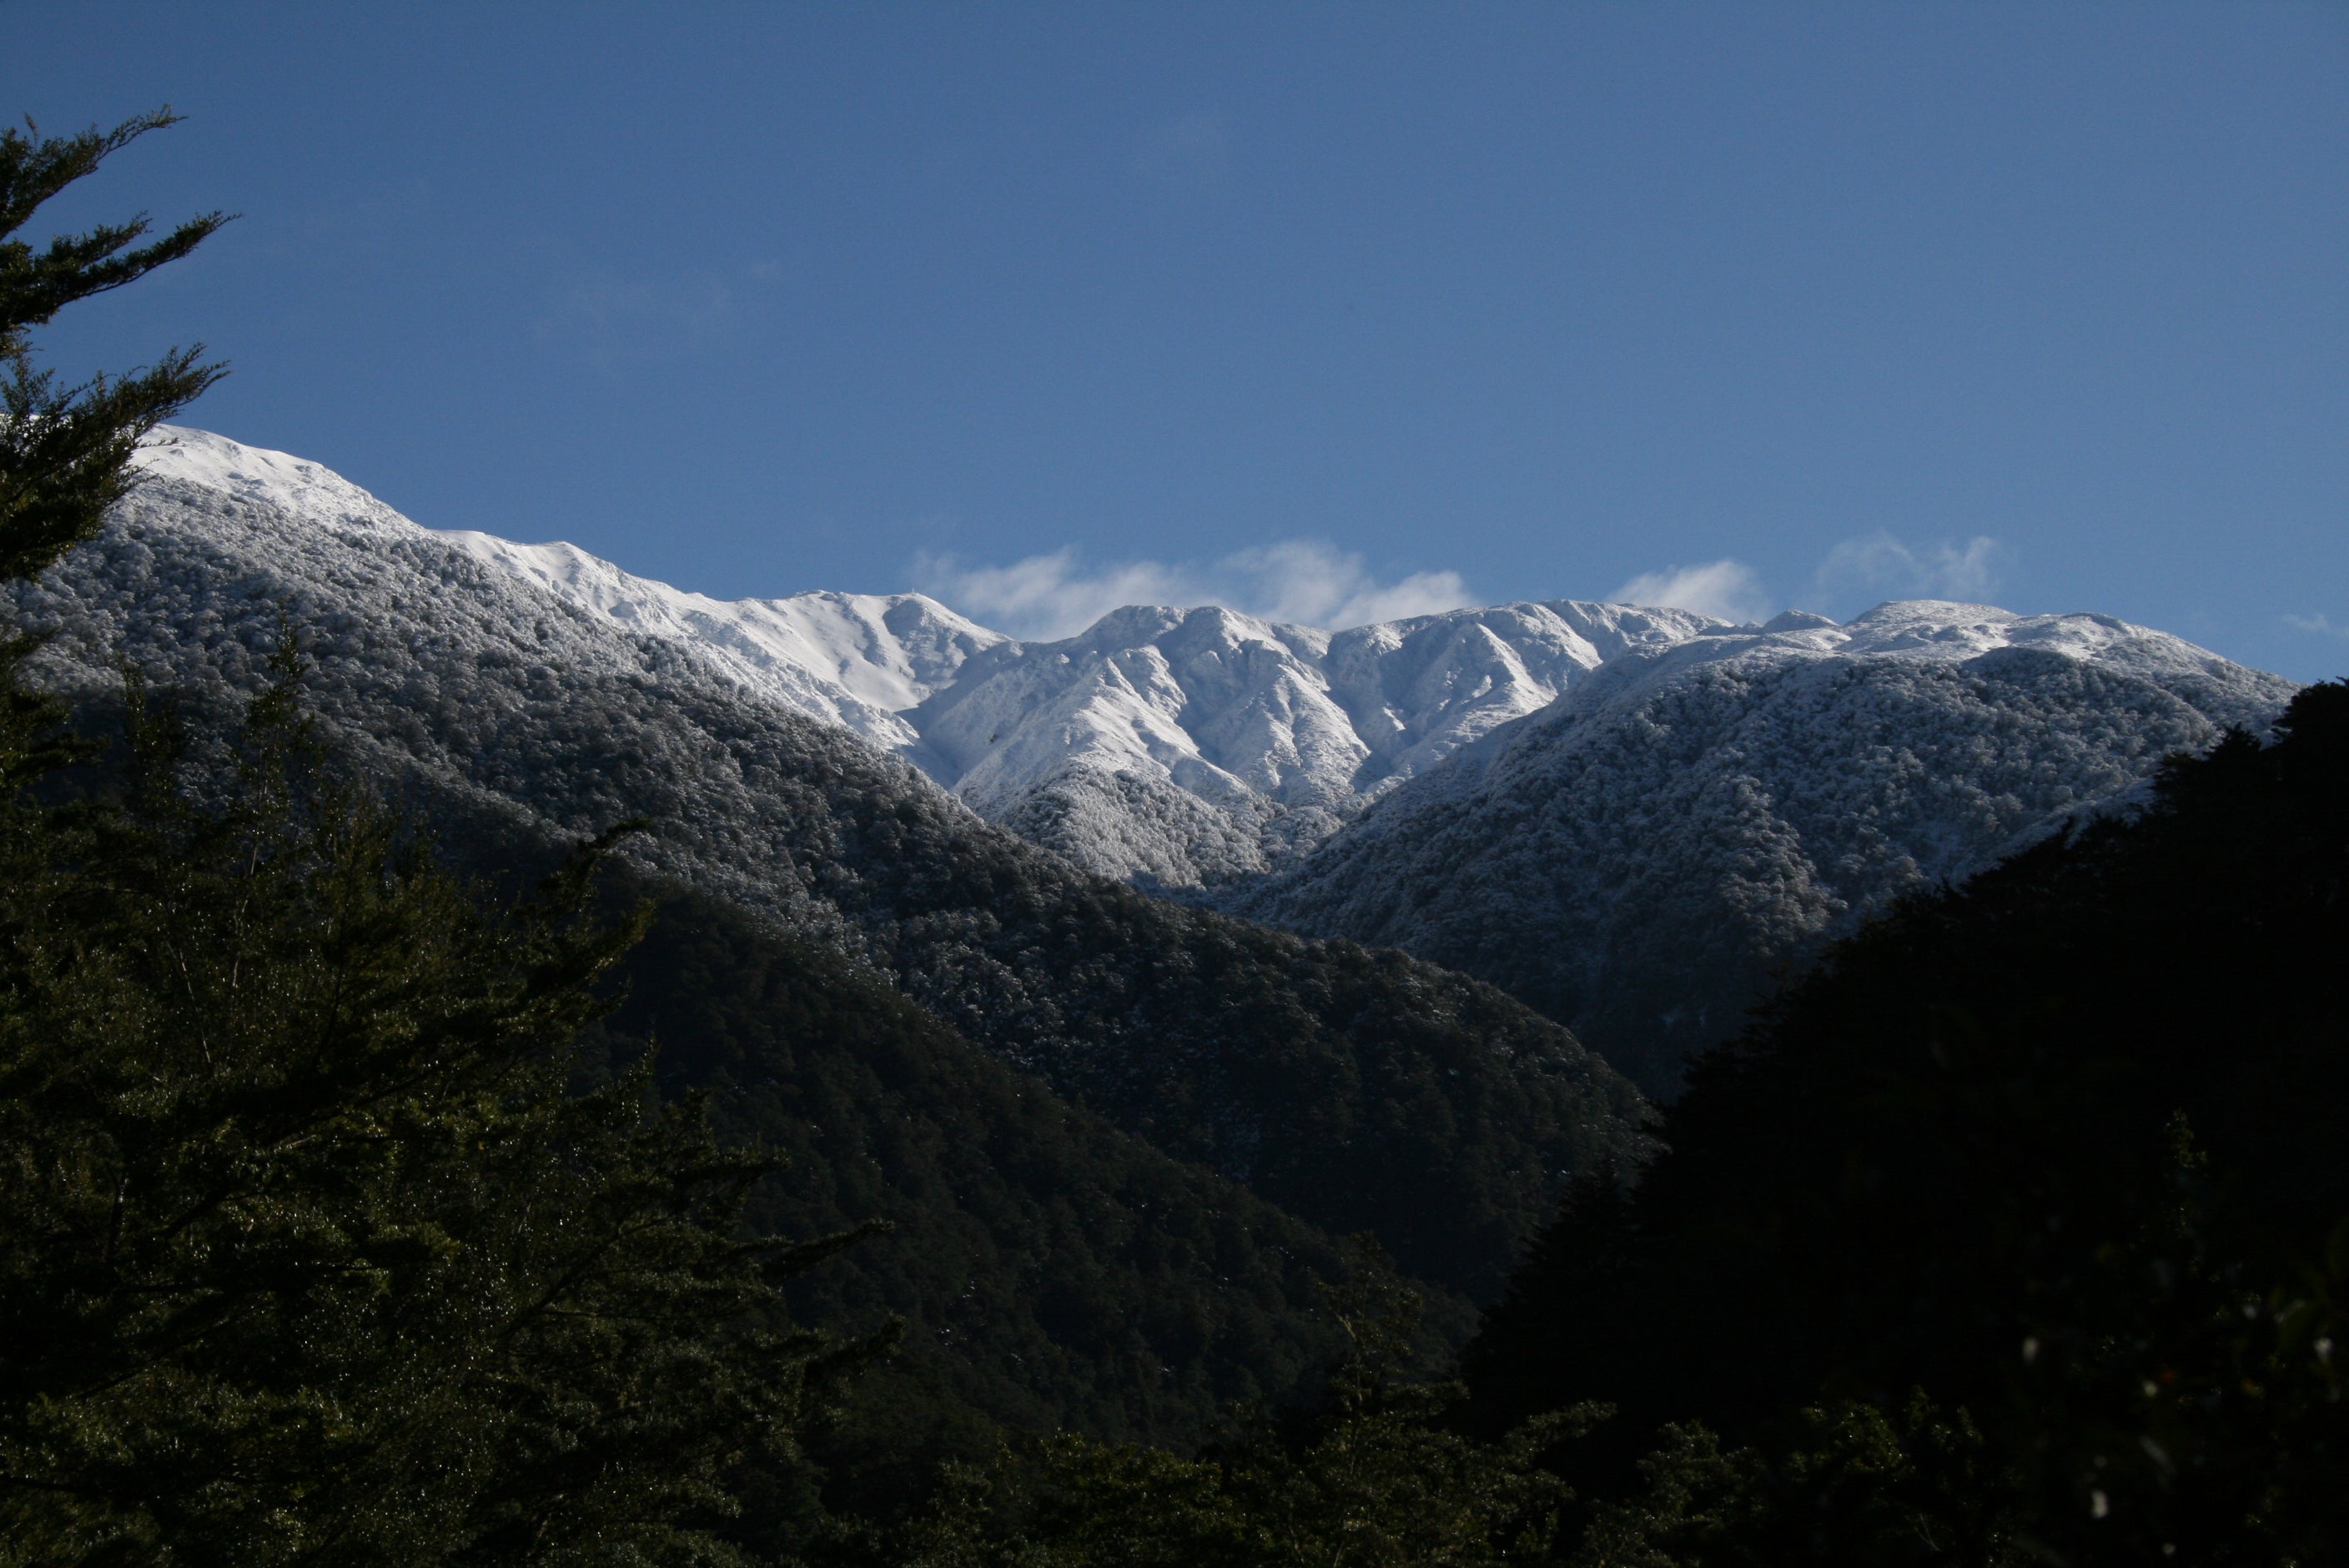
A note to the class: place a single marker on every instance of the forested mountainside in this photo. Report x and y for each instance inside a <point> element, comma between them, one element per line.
<point>1643,859</point>
<point>1051,1273</point>
<point>2036,1189</point>
<point>1355,1089</point>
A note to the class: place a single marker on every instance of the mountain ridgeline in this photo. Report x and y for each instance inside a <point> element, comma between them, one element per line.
<point>1175,747</point>
<point>1644,860</point>
<point>1633,820</point>
<point>1355,1089</point>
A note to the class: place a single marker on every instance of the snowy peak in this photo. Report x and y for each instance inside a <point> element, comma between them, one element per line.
<point>1278,731</point>
<point>254,473</point>
<point>1217,702</point>
<point>1418,690</point>
<point>1188,745</point>
<point>859,660</point>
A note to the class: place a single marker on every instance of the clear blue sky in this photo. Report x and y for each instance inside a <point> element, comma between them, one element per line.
<point>1550,297</point>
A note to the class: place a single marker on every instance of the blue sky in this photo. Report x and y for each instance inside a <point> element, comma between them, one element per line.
<point>1328,311</point>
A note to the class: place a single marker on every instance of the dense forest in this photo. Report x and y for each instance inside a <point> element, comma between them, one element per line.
<point>397,1174</point>
<point>2059,1149</point>
<point>1048,1273</point>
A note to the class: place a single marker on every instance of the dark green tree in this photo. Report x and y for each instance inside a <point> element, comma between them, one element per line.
<point>1370,1476</point>
<point>309,1251</point>
<point>65,451</point>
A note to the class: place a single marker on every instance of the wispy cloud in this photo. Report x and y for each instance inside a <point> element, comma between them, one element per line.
<point>2322,626</point>
<point>1728,590</point>
<point>1302,581</point>
<point>1878,565</point>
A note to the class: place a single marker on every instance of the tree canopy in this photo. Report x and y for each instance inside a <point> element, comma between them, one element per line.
<point>65,451</point>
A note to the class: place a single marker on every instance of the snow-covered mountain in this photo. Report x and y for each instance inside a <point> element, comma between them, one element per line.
<point>1174,746</point>
<point>1641,858</point>
<point>863,661</point>
<point>1183,746</point>
<point>1355,1089</point>
<point>1630,817</point>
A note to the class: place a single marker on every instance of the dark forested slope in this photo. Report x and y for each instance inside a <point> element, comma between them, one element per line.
<point>1052,1273</point>
<point>2062,1147</point>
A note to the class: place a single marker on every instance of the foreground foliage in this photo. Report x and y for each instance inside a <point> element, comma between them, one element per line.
<point>1369,1477</point>
<point>65,451</point>
<point>311,1247</point>
<point>307,1246</point>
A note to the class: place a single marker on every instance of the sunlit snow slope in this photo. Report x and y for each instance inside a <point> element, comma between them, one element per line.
<point>1174,746</point>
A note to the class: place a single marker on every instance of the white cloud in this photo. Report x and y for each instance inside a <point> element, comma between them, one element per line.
<point>2317,624</point>
<point>1303,581</point>
<point>1728,590</point>
<point>1879,566</point>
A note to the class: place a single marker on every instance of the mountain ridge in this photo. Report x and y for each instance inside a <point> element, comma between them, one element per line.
<point>1088,742</point>
<point>1407,784</point>
<point>1642,859</point>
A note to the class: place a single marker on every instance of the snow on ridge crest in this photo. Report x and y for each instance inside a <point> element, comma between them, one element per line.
<point>1109,745</point>
<point>255,473</point>
<point>852,659</point>
<point>855,659</point>
<point>1256,718</point>
<point>1934,630</point>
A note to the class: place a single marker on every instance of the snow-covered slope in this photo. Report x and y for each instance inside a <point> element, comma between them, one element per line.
<point>1629,816</point>
<point>1640,858</point>
<point>1107,745</point>
<point>859,660</point>
<point>1172,746</point>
